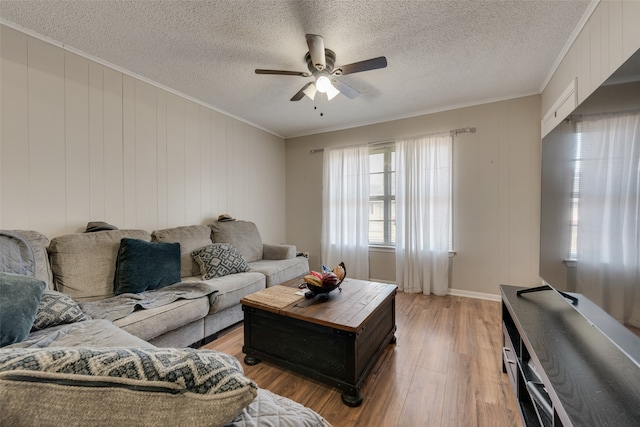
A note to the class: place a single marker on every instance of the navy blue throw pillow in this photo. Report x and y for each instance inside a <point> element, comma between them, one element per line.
<point>19,302</point>
<point>143,266</point>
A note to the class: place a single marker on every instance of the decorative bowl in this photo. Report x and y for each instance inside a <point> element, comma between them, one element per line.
<point>315,290</point>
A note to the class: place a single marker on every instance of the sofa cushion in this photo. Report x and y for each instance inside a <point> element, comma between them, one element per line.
<point>218,260</point>
<point>243,235</point>
<point>57,309</point>
<point>153,322</point>
<point>190,237</point>
<point>122,386</point>
<point>232,288</point>
<point>270,251</point>
<point>19,301</point>
<point>143,266</point>
<point>280,271</point>
<point>84,264</point>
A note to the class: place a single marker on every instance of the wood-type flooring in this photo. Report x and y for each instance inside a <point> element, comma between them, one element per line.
<point>444,370</point>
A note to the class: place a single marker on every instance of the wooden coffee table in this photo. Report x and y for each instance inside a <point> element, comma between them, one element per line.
<point>335,341</point>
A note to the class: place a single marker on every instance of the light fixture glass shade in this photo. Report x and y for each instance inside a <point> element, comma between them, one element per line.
<point>310,91</point>
<point>332,92</point>
<point>323,84</point>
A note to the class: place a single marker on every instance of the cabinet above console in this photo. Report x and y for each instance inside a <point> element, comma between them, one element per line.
<point>569,365</point>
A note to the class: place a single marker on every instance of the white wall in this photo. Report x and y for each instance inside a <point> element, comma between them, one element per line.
<point>496,191</point>
<point>610,36</point>
<point>83,142</point>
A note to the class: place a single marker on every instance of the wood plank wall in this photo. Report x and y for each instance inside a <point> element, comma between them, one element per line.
<point>84,142</point>
<point>609,37</point>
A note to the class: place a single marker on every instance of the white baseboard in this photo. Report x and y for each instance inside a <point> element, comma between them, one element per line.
<point>471,294</point>
<point>458,292</point>
<point>382,281</point>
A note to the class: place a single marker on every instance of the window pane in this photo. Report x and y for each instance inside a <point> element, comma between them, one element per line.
<point>376,231</point>
<point>392,177</point>
<point>376,163</point>
<point>393,232</point>
<point>382,196</point>
<point>376,210</point>
<point>376,184</point>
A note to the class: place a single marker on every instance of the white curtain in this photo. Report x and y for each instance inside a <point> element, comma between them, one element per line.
<point>608,236</point>
<point>345,209</point>
<point>423,213</point>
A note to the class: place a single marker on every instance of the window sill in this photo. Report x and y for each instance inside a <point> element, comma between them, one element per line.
<point>391,249</point>
<point>382,248</point>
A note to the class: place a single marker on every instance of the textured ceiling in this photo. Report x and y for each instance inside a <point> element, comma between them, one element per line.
<point>441,54</point>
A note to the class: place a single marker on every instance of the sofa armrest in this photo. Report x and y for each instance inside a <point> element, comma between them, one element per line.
<point>275,252</point>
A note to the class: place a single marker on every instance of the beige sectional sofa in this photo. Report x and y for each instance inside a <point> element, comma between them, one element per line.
<point>83,266</point>
<point>136,369</point>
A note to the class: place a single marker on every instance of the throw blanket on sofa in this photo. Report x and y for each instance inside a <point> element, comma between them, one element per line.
<point>124,304</point>
<point>270,409</point>
<point>16,254</point>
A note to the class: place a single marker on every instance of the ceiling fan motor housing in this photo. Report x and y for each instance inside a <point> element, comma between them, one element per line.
<point>330,60</point>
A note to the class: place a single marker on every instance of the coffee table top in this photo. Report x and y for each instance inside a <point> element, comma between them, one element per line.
<point>346,310</point>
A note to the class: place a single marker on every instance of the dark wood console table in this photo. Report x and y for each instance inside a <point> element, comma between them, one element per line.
<point>569,365</point>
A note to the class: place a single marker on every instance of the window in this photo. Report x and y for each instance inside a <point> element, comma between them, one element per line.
<point>382,206</point>
<point>575,195</point>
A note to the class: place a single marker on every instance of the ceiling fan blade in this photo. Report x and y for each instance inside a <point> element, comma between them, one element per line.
<point>357,67</point>
<point>316,50</point>
<point>345,89</point>
<point>298,96</point>
<point>283,73</point>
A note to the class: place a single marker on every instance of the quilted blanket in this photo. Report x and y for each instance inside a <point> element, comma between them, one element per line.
<point>270,409</point>
<point>124,304</point>
<point>89,333</point>
<point>16,254</point>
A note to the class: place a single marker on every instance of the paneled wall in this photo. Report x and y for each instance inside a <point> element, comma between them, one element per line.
<point>608,39</point>
<point>496,192</point>
<point>83,142</point>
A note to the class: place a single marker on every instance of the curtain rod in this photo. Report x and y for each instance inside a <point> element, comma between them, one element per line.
<point>453,132</point>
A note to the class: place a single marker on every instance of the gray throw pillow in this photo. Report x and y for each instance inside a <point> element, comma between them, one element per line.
<point>219,259</point>
<point>144,266</point>
<point>56,309</point>
<point>19,302</point>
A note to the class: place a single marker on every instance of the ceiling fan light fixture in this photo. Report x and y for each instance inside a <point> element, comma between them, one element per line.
<point>320,62</point>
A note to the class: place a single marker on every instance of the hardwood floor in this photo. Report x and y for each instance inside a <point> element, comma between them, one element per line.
<point>444,370</point>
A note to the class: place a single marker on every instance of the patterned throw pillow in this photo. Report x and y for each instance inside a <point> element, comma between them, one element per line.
<point>178,386</point>
<point>56,309</point>
<point>219,259</point>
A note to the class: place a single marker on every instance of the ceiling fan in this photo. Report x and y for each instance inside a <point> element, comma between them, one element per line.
<point>320,62</point>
